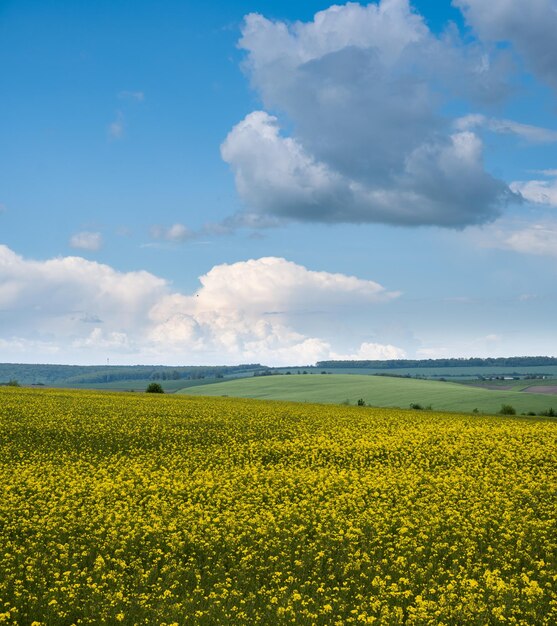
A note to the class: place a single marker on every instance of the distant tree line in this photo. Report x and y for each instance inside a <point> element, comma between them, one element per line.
<point>515,361</point>
<point>32,374</point>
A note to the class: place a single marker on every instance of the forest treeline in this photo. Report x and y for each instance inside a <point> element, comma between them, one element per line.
<point>515,361</point>
<point>39,374</point>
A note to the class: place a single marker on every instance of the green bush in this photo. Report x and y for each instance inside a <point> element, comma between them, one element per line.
<point>507,409</point>
<point>154,388</point>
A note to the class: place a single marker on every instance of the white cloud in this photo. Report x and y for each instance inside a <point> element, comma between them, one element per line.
<point>270,283</point>
<point>372,352</point>
<point>249,309</point>
<point>52,296</point>
<point>86,240</point>
<point>361,87</point>
<point>526,238</point>
<point>116,128</point>
<point>533,134</point>
<point>529,26</point>
<point>20,347</point>
<point>97,339</point>
<point>538,191</point>
<point>178,233</point>
<point>537,239</point>
<point>246,311</point>
<point>175,233</point>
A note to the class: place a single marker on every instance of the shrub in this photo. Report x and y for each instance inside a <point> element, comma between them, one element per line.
<point>507,409</point>
<point>154,388</point>
<point>416,406</point>
<point>12,383</point>
<point>361,402</point>
<point>548,413</point>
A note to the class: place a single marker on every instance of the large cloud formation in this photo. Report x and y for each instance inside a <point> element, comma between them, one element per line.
<point>529,29</point>
<point>529,26</point>
<point>72,309</point>
<point>360,90</point>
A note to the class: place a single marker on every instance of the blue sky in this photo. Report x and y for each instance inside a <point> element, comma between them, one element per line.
<point>184,182</point>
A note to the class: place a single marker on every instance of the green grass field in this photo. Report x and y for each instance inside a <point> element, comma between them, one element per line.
<point>169,386</point>
<point>377,391</point>
<point>460,373</point>
<point>514,385</point>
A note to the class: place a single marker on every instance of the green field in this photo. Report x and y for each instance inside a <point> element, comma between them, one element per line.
<point>459,373</point>
<point>514,385</point>
<point>379,391</point>
<point>169,386</point>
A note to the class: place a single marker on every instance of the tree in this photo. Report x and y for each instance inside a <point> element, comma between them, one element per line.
<point>507,409</point>
<point>154,388</point>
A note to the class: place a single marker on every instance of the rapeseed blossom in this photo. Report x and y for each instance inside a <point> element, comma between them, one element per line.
<point>129,509</point>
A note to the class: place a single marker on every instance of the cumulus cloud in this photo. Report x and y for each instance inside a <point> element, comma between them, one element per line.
<point>86,240</point>
<point>539,191</point>
<point>361,89</point>
<point>530,27</point>
<point>246,311</point>
<point>54,295</point>
<point>250,308</point>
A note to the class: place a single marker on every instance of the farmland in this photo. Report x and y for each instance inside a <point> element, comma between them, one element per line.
<point>139,509</point>
<point>378,391</point>
<point>434,373</point>
<point>137,377</point>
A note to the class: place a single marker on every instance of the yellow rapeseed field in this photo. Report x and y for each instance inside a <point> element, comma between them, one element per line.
<point>148,509</point>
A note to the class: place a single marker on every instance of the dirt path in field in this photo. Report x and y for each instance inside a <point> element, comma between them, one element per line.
<point>549,389</point>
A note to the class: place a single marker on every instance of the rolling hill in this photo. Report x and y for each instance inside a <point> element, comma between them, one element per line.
<point>376,391</point>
